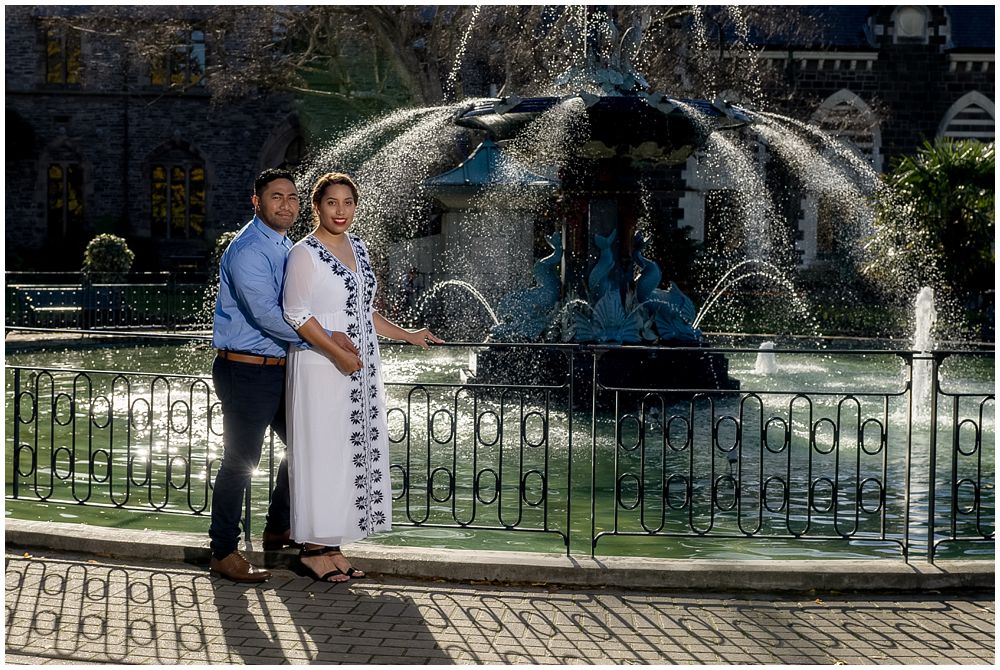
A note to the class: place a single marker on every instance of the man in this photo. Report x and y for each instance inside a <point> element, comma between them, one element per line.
<point>252,338</point>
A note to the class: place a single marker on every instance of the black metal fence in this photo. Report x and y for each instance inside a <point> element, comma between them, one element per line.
<point>799,457</point>
<point>143,300</point>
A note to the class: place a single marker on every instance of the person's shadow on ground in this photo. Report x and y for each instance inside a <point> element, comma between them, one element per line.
<point>294,619</point>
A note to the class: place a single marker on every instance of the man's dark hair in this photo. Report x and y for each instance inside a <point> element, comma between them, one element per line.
<point>269,175</point>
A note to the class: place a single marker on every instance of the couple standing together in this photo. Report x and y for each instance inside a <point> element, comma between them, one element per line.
<point>307,309</point>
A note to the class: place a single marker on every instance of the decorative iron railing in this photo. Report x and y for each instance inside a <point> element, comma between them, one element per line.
<point>67,300</point>
<point>797,459</point>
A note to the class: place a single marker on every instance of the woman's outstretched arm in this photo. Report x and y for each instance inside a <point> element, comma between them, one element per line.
<point>422,337</point>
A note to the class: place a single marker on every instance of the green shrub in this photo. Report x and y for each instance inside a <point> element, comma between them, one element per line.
<point>107,259</point>
<point>938,228</point>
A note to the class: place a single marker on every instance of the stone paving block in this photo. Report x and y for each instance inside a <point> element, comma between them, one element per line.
<point>375,624</point>
<point>410,643</point>
<point>332,647</point>
<point>396,660</point>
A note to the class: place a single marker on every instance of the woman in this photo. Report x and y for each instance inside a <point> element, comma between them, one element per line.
<point>335,404</point>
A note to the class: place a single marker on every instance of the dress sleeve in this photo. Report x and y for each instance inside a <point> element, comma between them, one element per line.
<point>299,280</point>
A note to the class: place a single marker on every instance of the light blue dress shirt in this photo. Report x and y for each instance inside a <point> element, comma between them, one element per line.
<point>248,315</point>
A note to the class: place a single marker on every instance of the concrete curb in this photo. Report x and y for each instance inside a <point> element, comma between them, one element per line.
<point>885,575</point>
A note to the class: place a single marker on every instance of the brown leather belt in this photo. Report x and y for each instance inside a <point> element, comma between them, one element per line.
<point>249,358</point>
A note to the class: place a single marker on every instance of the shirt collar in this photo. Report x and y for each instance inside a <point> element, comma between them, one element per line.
<point>270,234</point>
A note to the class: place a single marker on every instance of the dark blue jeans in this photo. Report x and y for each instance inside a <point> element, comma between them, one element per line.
<point>253,398</point>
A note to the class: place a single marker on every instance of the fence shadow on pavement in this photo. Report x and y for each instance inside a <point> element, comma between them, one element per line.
<point>85,611</point>
<point>78,610</point>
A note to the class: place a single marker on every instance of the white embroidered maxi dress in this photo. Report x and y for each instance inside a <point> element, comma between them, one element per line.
<point>338,454</point>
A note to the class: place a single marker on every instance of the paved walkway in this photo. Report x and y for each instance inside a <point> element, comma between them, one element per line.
<point>73,608</point>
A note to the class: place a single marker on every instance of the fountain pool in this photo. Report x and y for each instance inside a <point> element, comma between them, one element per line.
<point>739,475</point>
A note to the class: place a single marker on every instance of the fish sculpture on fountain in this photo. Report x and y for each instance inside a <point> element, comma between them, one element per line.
<point>645,314</point>
<point>671,311</point>
<point>526,314</point>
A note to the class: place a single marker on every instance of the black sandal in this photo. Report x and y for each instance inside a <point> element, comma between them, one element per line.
<point>322,551</point>
<point>351,572</point>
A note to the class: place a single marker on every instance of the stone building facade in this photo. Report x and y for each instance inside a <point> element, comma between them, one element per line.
<point>99,142</point>
<point>885,79</point>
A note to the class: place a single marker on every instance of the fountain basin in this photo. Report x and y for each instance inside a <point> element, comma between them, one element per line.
<point>643,127</point>
<point>683,369</point>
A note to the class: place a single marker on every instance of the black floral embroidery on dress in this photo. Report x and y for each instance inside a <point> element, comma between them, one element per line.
<point>360,287</point>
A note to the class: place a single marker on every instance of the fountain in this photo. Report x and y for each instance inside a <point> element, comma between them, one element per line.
<point>579,163</point>
<point>766,362</point>
<point>616,299</point>
<point>925,316</point>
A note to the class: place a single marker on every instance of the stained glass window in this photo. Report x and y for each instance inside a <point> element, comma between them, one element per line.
<point>184,66</point>
<point>62,63</point>
<point>177,200</point>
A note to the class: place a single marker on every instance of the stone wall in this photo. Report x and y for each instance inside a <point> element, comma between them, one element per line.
<point>114,124</point>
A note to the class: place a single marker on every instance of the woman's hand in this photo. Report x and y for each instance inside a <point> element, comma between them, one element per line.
<point>346,361</point>
<point>343,341</point>
<point>345,355</point>
<point>423,338</point>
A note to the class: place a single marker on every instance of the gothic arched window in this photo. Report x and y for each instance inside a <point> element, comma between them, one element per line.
<point>971,117</point>
<point>177,195</point>
<point>847,117</point>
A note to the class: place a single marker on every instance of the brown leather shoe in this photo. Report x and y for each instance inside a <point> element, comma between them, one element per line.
<point>238,569</point>
<point>278,541</point>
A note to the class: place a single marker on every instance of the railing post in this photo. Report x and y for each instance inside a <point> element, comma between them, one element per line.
<point>171,302</point>
<point>595,356</point>
<point>932,460</point>
<point>17,433</point>
<point>569,461</point>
